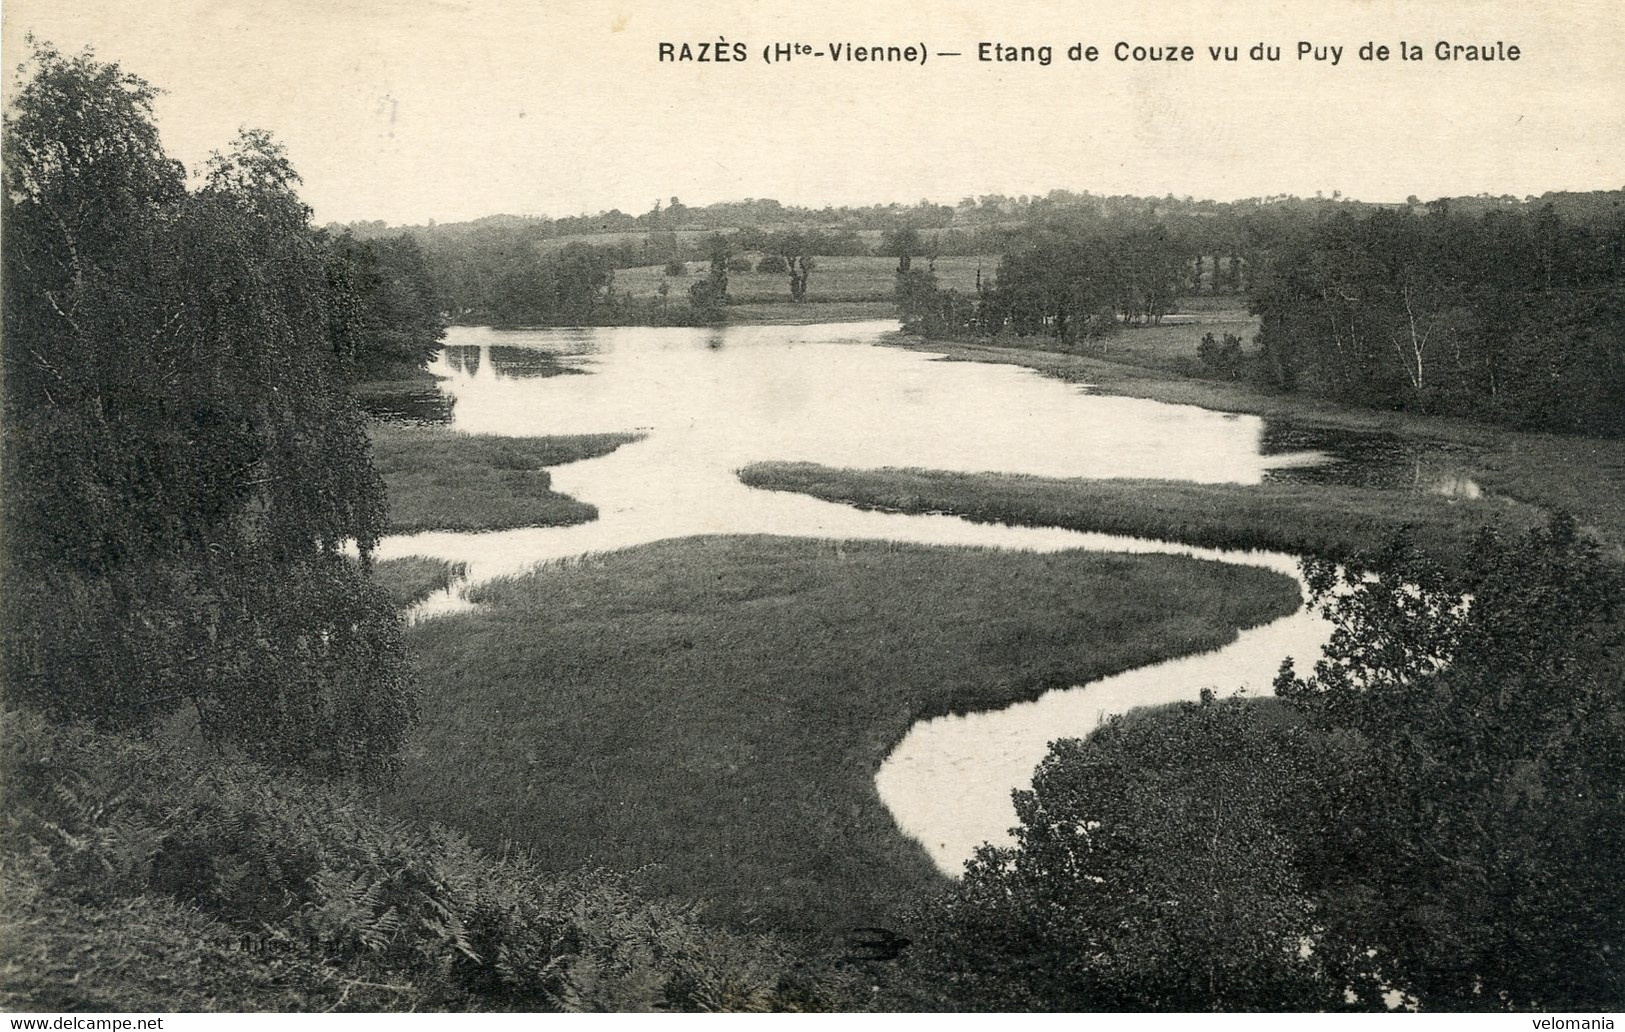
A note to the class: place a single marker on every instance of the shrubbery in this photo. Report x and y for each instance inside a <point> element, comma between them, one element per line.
<point>1433,816</point>
<point>144,878</point>
<point>1221,358</point>
<point>1152,872</point>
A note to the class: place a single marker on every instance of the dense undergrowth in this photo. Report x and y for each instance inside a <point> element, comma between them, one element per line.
<point>143,876</point>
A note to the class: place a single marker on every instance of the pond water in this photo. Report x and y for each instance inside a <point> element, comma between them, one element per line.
<point>1372,459</point>
<point>710,401</point>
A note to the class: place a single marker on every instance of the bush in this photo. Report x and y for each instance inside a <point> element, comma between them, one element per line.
<point>773,263</point>
<point>253,890</point>
<point>676,268</point>
<point>1488,871</point>
<point>1151,873</point>
<point>294,662</point>
<point>1221,359</point>
<point>1434,813</point>
<point>740,264</point>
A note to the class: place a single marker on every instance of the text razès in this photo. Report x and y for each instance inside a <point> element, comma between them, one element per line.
<point>722,50</point>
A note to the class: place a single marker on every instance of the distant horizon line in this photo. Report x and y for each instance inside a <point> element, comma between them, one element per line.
<point>1335,198</point>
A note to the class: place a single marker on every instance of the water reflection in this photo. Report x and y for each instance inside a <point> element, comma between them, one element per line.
<point>1372,459</point>
<point>418,406</point>
<point>715,399</point>
<point>462,359</point>
<point>504,361</point>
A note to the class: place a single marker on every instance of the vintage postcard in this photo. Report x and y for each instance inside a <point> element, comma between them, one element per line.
<point>518,507</point>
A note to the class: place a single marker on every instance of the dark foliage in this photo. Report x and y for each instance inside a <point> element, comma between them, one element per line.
<point>1515,318</point>
<point>1152,872</point>
<point>1432,818</point>
<point>1488,871</point>
<point>171,371</point>
<point>394,321</point>
<point>139,878</point>
<point>1221,359</point>
<point>1069,280</point>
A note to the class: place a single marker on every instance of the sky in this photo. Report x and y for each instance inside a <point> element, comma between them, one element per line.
<point>411,110</point>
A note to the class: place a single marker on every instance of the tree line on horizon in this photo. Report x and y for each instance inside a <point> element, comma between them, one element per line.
<point>988,210</point>
<point>1513,316</point>
<point>1146,252</point>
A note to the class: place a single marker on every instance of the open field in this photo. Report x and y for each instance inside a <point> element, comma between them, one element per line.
<point>1172,345</point>
<point>717,707</point>
<point>690,237</point>
<point>838,278</point>
<point>694,238</point>
<point>1301,519</point>
<point>439,480</point>
<point>783,313</point>
<point>1229,305</point>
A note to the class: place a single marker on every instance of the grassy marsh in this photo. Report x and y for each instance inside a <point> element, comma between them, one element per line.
<point>440,480</point>
<point>718,707</point>
<point>1302,519</point>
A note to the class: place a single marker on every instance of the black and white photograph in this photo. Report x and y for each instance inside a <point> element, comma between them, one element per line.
<point>516,508</point>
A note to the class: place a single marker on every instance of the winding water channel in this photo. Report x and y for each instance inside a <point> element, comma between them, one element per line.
<point>712,401</point>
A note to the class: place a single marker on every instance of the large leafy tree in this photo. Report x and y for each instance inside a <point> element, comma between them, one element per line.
<point>183,465</point>
<point>1484,870</point>
<point>395,320</point>
<point>1433,816</point>
<point>1152,871</point>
